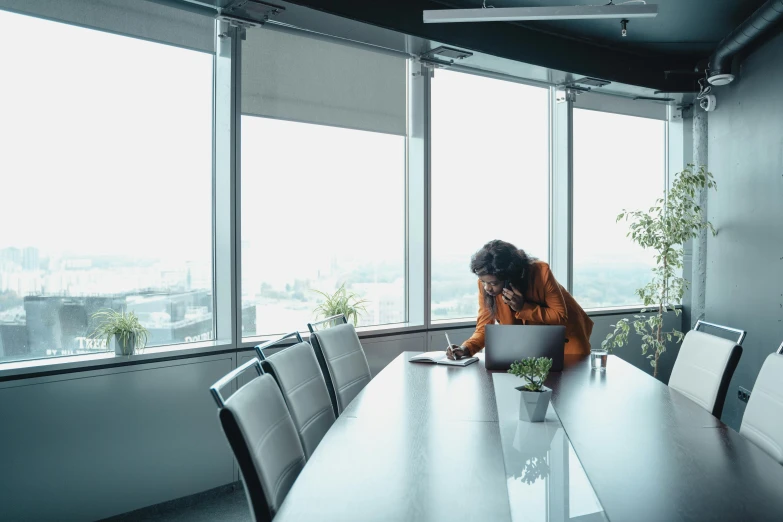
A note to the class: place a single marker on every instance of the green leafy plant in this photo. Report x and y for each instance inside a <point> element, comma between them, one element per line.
<point>342,301</point>
<point>127,329</point>
<point>534,370</point>
<point>668,224</point>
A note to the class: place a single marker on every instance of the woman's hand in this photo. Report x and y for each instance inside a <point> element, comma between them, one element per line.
<point>513,298</point>
<point>455,352</point>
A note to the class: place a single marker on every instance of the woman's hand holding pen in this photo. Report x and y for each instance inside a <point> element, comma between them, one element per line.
<point>455,352</point>
<point>513,298</point>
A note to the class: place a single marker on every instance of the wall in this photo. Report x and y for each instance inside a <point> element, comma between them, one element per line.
<point>89,445</point>
<point>745,260</point>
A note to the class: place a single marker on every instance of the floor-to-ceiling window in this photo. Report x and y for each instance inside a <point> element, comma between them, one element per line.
<point>106,175</point>
<point>490,179</point>
<point>619,163</point>
<point>323,182</point>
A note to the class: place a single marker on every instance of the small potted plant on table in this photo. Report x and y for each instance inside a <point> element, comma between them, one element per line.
<point>128,333</point>
<point>534,399</point>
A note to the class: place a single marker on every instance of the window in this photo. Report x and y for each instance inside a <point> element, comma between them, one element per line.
<point>619,163</point>
<point>322,180</point>
<point>106,170</point>
<point>490,179</point>
<point>337,197</point>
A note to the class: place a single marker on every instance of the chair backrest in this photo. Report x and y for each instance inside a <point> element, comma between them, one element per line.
<point>704,367</point>
<point>762,423</point>
<point>302,384</point>
<point>263,438</point>
<point>342,358</point>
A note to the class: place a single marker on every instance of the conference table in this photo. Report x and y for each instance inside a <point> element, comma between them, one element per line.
<point>434,442</point>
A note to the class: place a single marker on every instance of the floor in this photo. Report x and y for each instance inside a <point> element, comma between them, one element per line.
<point>226,504</point>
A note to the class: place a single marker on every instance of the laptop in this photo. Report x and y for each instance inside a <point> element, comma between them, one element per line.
<point>506,343</point>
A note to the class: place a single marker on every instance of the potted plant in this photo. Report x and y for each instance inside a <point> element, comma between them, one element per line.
<point>668,224</point>
<point>342,301</point>
<point>534,399</point>
<point>128,333</point>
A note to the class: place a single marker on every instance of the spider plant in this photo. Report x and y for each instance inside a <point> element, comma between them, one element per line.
<point>128,332</point>
<point>342,301</point>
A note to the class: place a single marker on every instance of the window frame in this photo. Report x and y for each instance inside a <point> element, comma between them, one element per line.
<point>226,209</point>
<point>498,77</point>
<point>185,37</point>
<point>623,106</point>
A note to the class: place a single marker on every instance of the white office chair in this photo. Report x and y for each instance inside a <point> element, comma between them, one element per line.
<point>763,420</point>
<point>263,438</point>
<point>297,372</point>
<point>342,359</point>
<point>705,365</point>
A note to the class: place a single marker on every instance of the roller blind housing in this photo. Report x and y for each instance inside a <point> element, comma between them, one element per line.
<point>298,78</point>
<point>137,18</point>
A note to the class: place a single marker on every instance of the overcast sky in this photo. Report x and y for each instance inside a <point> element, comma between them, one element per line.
<point>105,148</point>
<point>105,142</point>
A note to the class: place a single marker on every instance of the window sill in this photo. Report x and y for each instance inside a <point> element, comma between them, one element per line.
<point>364,332</point>
<point>447,324</point>
<point>34,367</point>
<point>621,310</point>
<point>17,370</point>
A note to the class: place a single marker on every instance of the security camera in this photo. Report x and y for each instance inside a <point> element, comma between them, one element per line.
<point>709,103</point>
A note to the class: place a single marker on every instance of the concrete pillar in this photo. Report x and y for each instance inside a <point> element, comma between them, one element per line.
<point>699,264</point>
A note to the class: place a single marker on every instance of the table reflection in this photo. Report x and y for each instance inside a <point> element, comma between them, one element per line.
<point>546,482</point>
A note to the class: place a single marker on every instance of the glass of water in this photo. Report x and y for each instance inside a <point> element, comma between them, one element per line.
<point>598,359</point>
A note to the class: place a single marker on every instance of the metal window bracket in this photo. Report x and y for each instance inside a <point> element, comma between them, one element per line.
<point>568,94</point>
<point>249,13</point>
<point>442,56</point>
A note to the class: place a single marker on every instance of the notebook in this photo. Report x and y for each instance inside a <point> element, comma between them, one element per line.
<point>440,358</point>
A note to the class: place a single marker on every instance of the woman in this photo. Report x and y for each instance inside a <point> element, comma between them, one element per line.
<point>517,289</point>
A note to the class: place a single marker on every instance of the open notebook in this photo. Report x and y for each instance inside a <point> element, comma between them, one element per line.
<point>440,358</point>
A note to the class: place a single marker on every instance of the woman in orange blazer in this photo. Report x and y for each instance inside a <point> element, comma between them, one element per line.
<point>517,289</point>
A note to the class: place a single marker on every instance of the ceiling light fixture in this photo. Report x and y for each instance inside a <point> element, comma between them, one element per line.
<point>513,14</point>
<point>624,27</point>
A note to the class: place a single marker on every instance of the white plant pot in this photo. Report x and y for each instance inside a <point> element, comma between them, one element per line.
<point>533,405</point>
<point>127,349</point>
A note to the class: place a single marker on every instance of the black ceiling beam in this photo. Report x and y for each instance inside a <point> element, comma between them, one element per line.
<point>515,42</point>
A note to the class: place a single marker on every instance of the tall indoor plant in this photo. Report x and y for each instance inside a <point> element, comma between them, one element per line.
<point>664,229</point>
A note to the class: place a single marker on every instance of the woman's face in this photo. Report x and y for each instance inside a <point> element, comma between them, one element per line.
<point>492,285</point>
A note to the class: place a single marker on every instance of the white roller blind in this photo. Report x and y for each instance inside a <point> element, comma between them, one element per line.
<point>298,78</point>
<point>621,105</point>
<point>138,18</point>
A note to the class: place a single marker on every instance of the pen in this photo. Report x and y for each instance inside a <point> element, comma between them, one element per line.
<point>447,339</point>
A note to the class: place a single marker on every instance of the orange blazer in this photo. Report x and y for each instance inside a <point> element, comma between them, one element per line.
<point>546,302</point>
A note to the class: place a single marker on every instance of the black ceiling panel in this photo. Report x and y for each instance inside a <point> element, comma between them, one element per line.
<point>684,34</point>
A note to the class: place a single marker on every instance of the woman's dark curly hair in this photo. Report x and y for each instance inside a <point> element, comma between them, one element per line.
<point>504,261</point>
